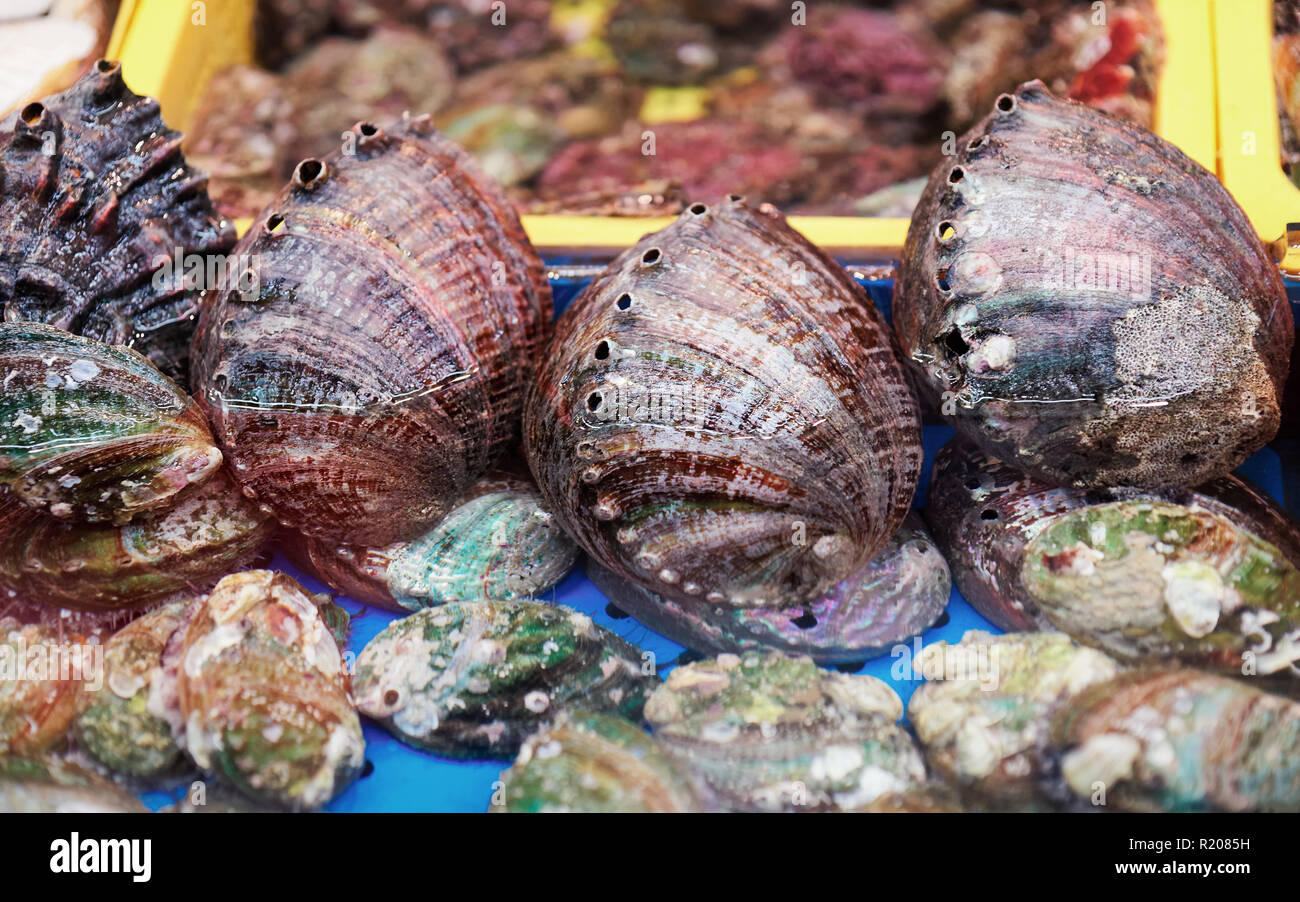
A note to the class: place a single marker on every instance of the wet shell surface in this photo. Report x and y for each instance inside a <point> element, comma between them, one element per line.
<point>91,432</point>
<point>897,594</point>
<point>475,679</point>
<point>119,723</point>
<point>41,671</point>
<point>499,543</point>
<point>264,693</point>
<point>209,531</point>
<point>1091,305</point>
<point>50,784</point>
<point>98,206</point>
<point>1209,577</point>
<point>772,732</point>
<point>591,763</point>
<point>378,368</point>
<point>1180,741</point>
<point>721,416</point>
<point>985,711</point>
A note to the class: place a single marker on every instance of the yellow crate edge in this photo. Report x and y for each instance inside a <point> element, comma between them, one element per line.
<point>164,55</point>
<point>1250,137</point>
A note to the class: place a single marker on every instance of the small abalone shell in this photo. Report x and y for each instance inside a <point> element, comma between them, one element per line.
<point>497,544</point>
<point>209,531</point>
<point>263,692</point>
<point>772,732</point>
<point>378,368</point>
<point>721,416</point>
<point>1089,304</point>
<point>591,763</point>
<point>1208,577</point>
<point>91,432</point>
<point>117,723</point>
<point>50,784</point>
<point>1180,740</point>
<point>41,673</point>
<point>984,713</point>
<point>474,679</point>
<point>98,208</point>
<point>897,594</point>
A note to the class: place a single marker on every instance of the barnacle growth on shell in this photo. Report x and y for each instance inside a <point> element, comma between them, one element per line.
<point>1089,304</point>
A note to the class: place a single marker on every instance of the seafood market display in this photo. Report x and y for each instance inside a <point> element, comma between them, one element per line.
<point>1069,320</point>
<point>772,732</point>
<point>497,544</point>
<point>897,594</point>
<point>370,388</point>
<point>378,371</point>
<point>473,679</point>
<point>721,418</point>
<point>641,107</point>
<point>1208,577</point>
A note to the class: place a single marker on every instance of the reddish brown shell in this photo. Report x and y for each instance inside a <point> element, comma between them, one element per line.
<point>95,202</point>
<point>722,417</point>
<point>379,368</point>
<point>1089,304</point>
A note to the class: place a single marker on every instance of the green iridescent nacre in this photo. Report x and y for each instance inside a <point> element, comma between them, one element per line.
<point>588,762</point>
<point>91,432</point>
<point>476,678</point>
<point>772,732</point>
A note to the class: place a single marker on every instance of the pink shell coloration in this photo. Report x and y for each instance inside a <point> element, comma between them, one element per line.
<point>377,367</point>
<point>721,415</point>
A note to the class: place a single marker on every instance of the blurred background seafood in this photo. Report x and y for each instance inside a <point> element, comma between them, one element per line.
<point>638,107</point>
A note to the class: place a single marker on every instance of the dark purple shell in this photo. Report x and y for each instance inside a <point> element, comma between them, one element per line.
<point>721,416</point>
<point>374,367</point>
<point>95,199</point>
<point>897,594</point>
<point>1089,304</point>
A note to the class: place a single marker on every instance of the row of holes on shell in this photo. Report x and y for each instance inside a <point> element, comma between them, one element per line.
<point>946,230</point>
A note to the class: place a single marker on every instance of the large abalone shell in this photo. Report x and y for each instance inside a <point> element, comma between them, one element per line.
<point>1089,304</point>
<point>379,370</point>
<point>721,416</point>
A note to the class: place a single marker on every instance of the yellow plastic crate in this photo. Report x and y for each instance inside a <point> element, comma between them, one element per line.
<point>171,49</point>
<point>1250,136</point>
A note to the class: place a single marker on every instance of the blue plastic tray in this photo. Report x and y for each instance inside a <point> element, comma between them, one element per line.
<point>399,778</point>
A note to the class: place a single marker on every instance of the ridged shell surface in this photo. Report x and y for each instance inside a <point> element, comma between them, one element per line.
<point>263,690</point>
<point>95,202</point>
<point>209,531</point>
<point>772,732</point>
<point>499,543</point>
<point>721,416</point>
<point>1208,577</point>
<point>897,594</point>
<point>91,432</point>
<point>41,672</point>
<point>589,763</point>
<point>475,679</point>
<point>1180,741</point>
<point>378,368</point>
<point>1091,305</point>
